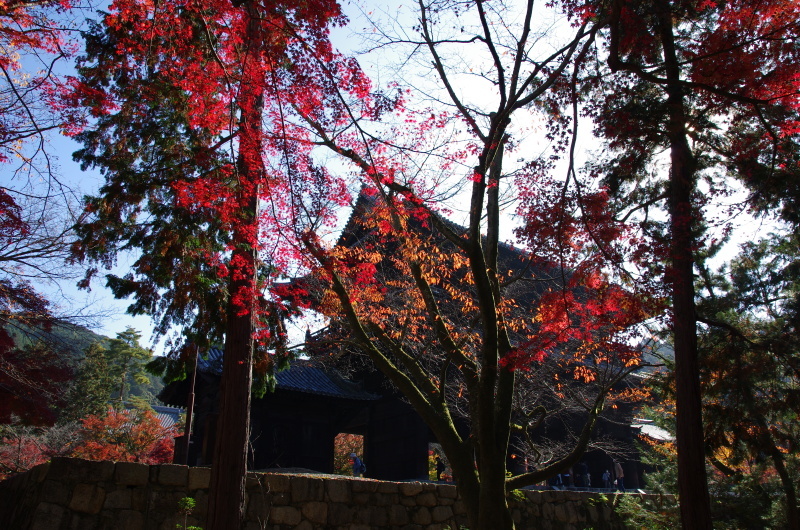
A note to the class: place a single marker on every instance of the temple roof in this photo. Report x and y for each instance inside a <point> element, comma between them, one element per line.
<point>307,376</point>
<point>168,416</point>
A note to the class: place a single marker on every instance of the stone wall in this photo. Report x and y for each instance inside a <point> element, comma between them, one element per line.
<point>79,494</point>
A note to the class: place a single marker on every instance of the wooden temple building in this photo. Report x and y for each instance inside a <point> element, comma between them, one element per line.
<point>295,426</point>
<point>315,400</point>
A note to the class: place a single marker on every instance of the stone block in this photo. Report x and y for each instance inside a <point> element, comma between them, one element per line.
<point>363,499</point>
<point>548,512</point>
<point>258,505</point>
<point>47,516</point>
<point>387,487</point>
<point>398,516</point>
<point>121,499</point>
<point>339,515</point>
<point>441,513</point>
<point>427,499</point>
<point>384,499</point>
<point>316,512</point>
<point>39,473</point>
<point>171,522</point>
<point>173,475</point>
<point>338,490</point>
<point>199,478</point>
<point>79,470</point>
<point>560,512</point>
<point>573,496</point>
<point>408,501</point>
<point>284,515</point>
<point>254,480</point>
<point>410,489</point>
<point>139,498</point>
<point>460,508</point>
<point>367,486</point>
<point>448,492</point>
<point>130,520</point>
<point>422,516</point>
<point>533,496</point>
<point>131,474</point>
<point>304,525</point>
<point>164,500</point>
<point>378,516</point>
<point>80,521</point>
<point>359,527</point>
<point>278,483</point>
<point>281,499</point>
<point>55,492</point>
<point>307,489</point>
<point>87,498</point>
<point>361,515</point>
<point>201,503</point>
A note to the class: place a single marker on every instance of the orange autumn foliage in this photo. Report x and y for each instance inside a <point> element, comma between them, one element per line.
<point>126,436</point>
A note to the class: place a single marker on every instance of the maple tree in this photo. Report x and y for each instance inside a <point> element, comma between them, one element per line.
<point>125,436</point>
<point>490,340</point>
<point>32,380</point>
<point>24,446</point>
<point>119,435</point>
<point>33,36</point>
<point>710,83</point>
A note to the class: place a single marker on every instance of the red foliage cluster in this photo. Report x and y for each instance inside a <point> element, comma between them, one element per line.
<point>600,296</point>
<point>32,383</point>
<point>122,436</point>
<point>32,32</point>
<point>126,436</point>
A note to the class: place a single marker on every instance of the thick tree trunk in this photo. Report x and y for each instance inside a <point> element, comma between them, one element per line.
<point>484,495</point>
<point>695,503</point>
<point>493,512</point>
<point>226,502</point>
<point>229,466</point>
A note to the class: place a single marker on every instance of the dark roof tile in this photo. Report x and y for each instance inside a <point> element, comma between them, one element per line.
<point>302,376</point>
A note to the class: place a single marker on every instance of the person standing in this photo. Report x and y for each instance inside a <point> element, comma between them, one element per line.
<point>582,474</point>
<point>607,479</point>
<point>620,476</point>
<point>440,467</point>
<point>358,466</point>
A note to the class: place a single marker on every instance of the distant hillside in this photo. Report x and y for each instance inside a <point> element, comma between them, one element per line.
<point>70,341</point>
<point>62,336</point>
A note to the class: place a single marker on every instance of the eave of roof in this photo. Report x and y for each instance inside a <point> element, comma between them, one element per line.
<point>308,377</point>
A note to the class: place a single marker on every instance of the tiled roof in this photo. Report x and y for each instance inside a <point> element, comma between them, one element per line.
<point>168,416</point>
<point>301,376</point>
